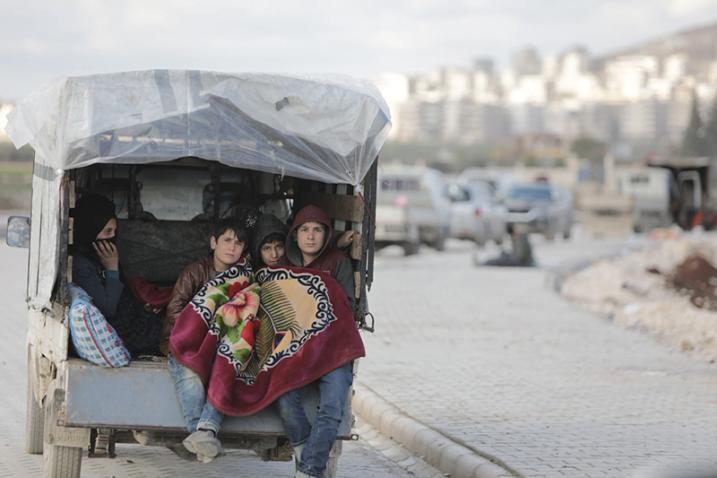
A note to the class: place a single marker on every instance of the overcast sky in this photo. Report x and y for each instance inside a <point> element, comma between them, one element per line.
<point>42,40</point>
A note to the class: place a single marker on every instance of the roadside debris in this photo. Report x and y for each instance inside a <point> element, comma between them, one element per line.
<point>668,290</point>
<point>696,276</point>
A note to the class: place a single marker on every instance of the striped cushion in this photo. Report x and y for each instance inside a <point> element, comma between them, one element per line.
<point>95,340</point>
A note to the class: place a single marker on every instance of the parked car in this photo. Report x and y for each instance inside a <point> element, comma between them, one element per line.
<point>540,207</point>
<point>499,180</point>
<point>475,213</point>
<point>412,208</point>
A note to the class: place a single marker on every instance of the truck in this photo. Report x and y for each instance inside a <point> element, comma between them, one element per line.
<point>175,150</point>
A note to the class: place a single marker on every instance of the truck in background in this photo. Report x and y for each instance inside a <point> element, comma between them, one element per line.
<point>412,208</point>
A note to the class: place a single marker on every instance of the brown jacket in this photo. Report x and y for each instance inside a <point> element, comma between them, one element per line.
<point>192,278</point>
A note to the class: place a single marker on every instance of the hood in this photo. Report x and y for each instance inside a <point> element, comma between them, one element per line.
<point>308,213</point>
<point>90,214</point>
<point>519,204</point>
<point>266,225</point>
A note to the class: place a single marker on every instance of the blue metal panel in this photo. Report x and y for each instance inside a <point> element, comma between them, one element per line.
<point>142,396</point>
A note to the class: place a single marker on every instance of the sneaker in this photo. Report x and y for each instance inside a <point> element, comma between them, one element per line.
<point>203,442</point>
<point>204,459</point>
<point>179,450</point>
<point>143,437</point>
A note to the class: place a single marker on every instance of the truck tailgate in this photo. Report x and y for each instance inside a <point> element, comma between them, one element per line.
<point>142,396</point>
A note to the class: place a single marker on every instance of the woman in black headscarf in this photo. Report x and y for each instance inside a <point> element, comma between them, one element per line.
<point>95,268</point>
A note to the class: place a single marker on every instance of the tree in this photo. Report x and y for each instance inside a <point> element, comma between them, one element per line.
<point>710,131</point>
<point>588,148</point>
<point>693,141</point>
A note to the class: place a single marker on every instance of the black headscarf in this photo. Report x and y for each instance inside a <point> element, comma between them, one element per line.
<point>91,214</point>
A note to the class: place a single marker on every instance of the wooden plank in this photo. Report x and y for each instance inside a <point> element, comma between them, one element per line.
<point>356,246</point>
<point>345,208</point>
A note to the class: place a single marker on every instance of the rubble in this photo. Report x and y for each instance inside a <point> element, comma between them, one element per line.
<point>697,277</point>
<point>667,290</point>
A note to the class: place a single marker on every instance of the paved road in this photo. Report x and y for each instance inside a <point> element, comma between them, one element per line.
<point>366,457</point>
<point>495,360</point>
<point>490,357</point>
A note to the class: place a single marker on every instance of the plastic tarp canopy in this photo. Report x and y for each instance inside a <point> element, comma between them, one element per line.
<point>328,128</point>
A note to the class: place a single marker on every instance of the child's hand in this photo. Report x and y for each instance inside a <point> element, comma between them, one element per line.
<point>108,254</point>
<point>346,239</point>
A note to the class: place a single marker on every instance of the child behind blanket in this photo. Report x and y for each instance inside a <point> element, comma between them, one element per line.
<point>228,245</point>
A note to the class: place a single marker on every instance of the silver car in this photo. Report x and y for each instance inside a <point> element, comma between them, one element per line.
<point>540,207</point>
<point>475,213</point>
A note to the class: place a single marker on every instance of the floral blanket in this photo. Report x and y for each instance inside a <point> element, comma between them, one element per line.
<point>253,338</point>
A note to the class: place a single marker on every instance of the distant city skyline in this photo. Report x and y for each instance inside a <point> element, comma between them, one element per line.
<point>39,42</point>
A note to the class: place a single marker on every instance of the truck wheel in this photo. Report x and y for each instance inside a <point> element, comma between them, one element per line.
<point>59,461</point>
<point>333,462</point>
<point>62,461</point>
<point>331,466</point>
<point>440,243</point>
<point>34,422</point>
<point>411,248</point>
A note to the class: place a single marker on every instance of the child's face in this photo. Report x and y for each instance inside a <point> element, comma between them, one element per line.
<point>272,252</point>
<point>227,248</point>
<point>310,237</point>
<point>109,231</point>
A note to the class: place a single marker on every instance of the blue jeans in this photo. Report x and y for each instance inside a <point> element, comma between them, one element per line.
<point>319,437</point>
<point>197,411</point>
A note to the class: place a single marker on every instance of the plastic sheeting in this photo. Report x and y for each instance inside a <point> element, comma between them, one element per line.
<point>44,239</point>
<point>325,128</point>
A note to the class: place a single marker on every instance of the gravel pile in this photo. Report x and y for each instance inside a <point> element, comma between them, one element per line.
<point>624,290</point>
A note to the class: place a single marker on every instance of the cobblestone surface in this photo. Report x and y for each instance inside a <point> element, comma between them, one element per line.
<point>372,455</point>
<point>498,362</point>
<point>490,357</point>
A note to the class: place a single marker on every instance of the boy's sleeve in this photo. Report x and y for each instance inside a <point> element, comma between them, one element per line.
<point>345,277</point>
<point>184,289</point>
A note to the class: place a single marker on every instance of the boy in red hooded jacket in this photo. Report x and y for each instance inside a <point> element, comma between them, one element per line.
<point>307,245</point>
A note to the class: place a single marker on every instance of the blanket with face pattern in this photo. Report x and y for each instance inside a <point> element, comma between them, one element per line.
<point>252,338</point>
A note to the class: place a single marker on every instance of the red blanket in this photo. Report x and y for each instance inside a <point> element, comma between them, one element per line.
<point>303,329</point>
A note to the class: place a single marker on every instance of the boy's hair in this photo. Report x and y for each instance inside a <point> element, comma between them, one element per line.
<point>273,237</point>
<point>233,225</point>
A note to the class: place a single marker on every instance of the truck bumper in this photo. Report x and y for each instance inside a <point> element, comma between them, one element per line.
<point>142,397</point>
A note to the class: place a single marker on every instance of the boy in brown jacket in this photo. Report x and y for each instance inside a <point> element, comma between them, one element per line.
<point>228,244</point>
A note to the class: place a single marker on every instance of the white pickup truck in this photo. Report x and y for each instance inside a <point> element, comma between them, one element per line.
<point>412,208</point>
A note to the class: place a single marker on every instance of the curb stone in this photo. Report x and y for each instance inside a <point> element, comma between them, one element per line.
<point>556,276</point>
<point>450,457</point>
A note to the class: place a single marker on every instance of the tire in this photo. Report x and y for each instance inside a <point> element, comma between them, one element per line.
<point>34,422</point>
<point>59,461</point>
<point>62,461</point>
<point>333,462</point>
<point>410,248</point>
<point>440,243</point>
<point>566,234</point>
<point>331,466</point>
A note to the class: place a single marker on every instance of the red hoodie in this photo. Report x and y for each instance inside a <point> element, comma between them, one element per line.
<point>330,259</point>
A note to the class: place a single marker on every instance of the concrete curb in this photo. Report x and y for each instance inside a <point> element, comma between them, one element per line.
<point>555,277</point>
<point>437,449</point>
